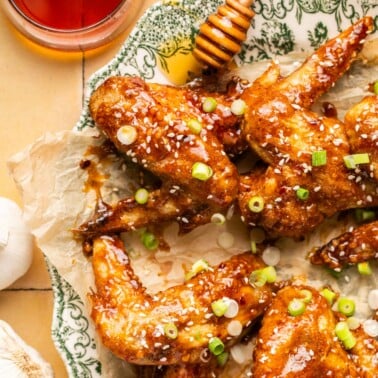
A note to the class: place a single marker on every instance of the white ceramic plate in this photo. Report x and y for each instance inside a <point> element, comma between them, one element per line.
<point>162,37</point>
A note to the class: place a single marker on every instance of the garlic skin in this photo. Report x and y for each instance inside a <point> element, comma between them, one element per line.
<point>19,360</point>
<point>16,243</point>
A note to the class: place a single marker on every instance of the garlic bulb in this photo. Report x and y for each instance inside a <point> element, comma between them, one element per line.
<point>16,243</point>
<point>19,360</point>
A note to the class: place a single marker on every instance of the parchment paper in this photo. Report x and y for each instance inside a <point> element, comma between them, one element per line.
<point>51,181</point>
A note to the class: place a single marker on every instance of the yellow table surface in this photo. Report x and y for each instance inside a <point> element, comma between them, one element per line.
<point>40,91</point>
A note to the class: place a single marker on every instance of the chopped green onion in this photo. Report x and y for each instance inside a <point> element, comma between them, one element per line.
<point>363,215</point>
<point>149,240</point>
<point>270,273</point>
<point>351,161</point>
<point>194,125</point>
<point>353,323</point>
<point>141,196</point>
<point>170,330</point>
<point>201,171</point>
<point>260,277</point>
<point>222,358</point>
<point>375,87</point>
<point>127,134</point>
<point>233,308</point>
<point>336,273</point>
<point>343,333</point>
<point>346,306</point>
<point>219,307</point>
<point>197,267</point>
<point>209,104</point>
<point>329,295</point>
<point>302,194</point>
<point>349,342</point>
<point>364,268</point>
<point>342,330</point>
<point>257,278</point>
<point>296,307</point>
<point>238,107</point>
<point>253,247</point>
<point>256,204</point>
<point>218,218</point>
<point>216,346</point>
<point>319,158</point>
<point>307,295</point>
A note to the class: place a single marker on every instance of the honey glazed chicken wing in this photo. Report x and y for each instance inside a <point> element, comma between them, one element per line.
<point>300,344</point>
<point>165,130</point>
<point>306,179</point>
<point>176,325</point>
<point>350,248</point>
<point>362,128</point>
<point>365,353</point>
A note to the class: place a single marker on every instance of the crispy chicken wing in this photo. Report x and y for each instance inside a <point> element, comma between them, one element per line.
<point>176,325</point>
<point>350,248</point>
<point>165,144</point>
<point>362,129</point>
<point>300,346</point>
<point>365,354</point>
<point>297,191</point>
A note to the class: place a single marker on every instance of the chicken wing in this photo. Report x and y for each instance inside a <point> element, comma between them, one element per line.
<point>350,248</point>
<point>365,354</point>
<point>176,325</point>
<point>165,144</point>
<point>303,345</point>
<point>306,179</point>
<point>362,129</point>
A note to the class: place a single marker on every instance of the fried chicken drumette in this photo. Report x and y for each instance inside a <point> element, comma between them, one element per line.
<point>176,325</point>
<point>300,344</point>
<point>172,134</point>
<point>306,179</point>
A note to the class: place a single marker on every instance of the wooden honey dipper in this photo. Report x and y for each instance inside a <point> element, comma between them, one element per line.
<point>223,33</point>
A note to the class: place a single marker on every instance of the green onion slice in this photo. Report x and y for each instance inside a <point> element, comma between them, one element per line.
<point>296,307</point>
<point>149,240</point>
<point>344,334</point>
<point>329,295</point>
<point>306,295</point>
<point>375,87</point>
<point>319,158</point>
<point>141,196</point>
<point>364,268</point>
<point>364,215</point>
<point>219,307</point>
<point>194,125</point>
<point>199,266</point>
<point>302,194</point>
<point>346,306</point>
<point>201,171</point>
<point>218,218</point>
<point>238,107</point>
<point>256,204</point>
<point>216,346</point>
<point>260,277</point>
<point>209,104</point>
<point>351,161</point>
<point>222,358</point>
<point>170,330</point>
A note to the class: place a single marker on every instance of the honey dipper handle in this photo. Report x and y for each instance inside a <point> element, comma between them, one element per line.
<point>223,33</point>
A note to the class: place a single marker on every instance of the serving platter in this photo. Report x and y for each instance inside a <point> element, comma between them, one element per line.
<point>163,36</point>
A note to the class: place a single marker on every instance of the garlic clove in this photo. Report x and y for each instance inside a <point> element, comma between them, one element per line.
<point>18,359</point>
<point>16,243</point>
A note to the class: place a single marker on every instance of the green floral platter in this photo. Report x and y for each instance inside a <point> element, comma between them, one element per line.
<point>167,30</point>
